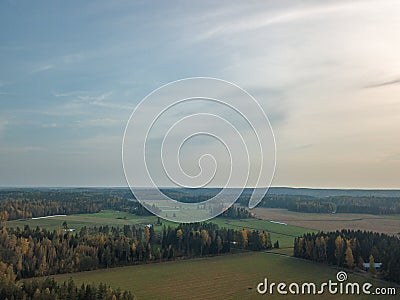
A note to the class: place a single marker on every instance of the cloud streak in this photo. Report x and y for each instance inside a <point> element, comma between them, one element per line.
<point>43,68</point>
<point>384,83</point>
<point>100,101</point>
<point>246,21</point>
<point>105,122</point>
<point>21,149</point>
<point>3,124</point>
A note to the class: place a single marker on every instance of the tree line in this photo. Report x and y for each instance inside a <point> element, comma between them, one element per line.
<point>21,204</point>
<point>332,204</point>
<point>236,212</point>
<point>24,204</point>
<point>41,252</point>
<point>348,248</point>
<point>36,203</point>
<point>49,289</point>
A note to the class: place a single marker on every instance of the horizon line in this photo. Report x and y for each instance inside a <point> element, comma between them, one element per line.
<point>214,187</point>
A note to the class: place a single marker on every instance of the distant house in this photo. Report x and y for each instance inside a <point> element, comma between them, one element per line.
<point>377,266</point>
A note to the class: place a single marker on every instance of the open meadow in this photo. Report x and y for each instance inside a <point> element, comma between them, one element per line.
<point>389,224</point>
<point>233,276</point>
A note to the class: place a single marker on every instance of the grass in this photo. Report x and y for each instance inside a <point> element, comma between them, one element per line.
<point>106,217</point>
<point>223,277</point>
<point>396,217</point>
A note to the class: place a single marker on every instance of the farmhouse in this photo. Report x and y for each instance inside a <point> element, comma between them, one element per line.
<point>377,266</point>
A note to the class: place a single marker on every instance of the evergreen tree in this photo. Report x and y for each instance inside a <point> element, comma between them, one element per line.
<point>372,268</point>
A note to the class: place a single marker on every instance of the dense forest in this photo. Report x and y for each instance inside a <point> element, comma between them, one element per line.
<point>24,204</point>
<point>16,205</point>
<point>307,200</point>
<point>49,289</point>
<point>236,212</point>
<point>40,252</point>
<point>28,203</point>
<point>337,204</point>
<point>273,191</point>
<point>351,249</point>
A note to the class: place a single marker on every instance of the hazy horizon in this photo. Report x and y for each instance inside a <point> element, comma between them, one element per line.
<point>172,187</point>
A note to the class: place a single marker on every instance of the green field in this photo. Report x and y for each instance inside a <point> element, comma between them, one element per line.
<point>395,217</point>
<point>106,217</point>
<point>284,234</point>
<point>224,277</point>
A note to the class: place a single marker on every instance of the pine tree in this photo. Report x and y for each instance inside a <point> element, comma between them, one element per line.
<point>276,244</point>
<point>339,243</point>
<point>349,256</point>
<point>360,263</point>
<point>372,268</point>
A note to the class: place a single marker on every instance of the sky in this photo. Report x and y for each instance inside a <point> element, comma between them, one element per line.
<point>327,74</point>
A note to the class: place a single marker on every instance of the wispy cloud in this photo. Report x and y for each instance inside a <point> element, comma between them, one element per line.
<point>113,105</point>
<point>42,68</point>
<point>21,149</point>
<point>97,98</point>
<point>96,144</point>
<point>99,101</point>
<point>262,18</point>
<point>302,147</point>
<point>393,157</point>
<point>73,57</point>
<point>3,124</point>
<point>79,103</point>
<point>30,148</point>
<point>69,108</point>
<point>384,83</point>
<point>99,122</point>
<point>49,125</point>
<point>70,94</point>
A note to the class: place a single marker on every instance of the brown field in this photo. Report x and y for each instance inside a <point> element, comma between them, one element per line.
<point>332,222</point>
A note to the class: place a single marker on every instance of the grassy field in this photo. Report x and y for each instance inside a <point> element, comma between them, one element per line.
<point>284,234</point>
<point>224,277</point>
<point>389,224</point>
<point>107,217</point>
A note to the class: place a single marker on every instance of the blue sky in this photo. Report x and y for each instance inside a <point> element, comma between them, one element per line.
<point>327,75</point>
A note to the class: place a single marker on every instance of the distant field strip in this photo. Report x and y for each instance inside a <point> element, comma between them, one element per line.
<point>389,224</point>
